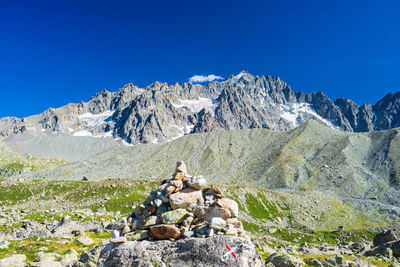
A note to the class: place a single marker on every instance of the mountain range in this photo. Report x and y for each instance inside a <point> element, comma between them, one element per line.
<point>160,112</point>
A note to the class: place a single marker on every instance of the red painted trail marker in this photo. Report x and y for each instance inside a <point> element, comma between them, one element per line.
<point>233,254</point>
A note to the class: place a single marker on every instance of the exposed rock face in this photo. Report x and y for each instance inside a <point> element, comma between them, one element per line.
<point>384,237</point>
<point>11,126</point>
<point>283,260</point>
<point>385,244</point>
<point>162,112</point>
<point>17,260</point>
<point>184,252</point>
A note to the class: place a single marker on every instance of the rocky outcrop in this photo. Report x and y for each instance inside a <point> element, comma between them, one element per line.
<point>10,126</point>
<point>384,237</point>
<point>284,260</point>
<point>184,252</point>
<point>17,260</point>
<point>386,244</point>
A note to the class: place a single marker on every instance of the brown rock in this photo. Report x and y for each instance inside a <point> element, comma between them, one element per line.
<point>170,189</point>
<point>187,198</point>
<point>237,224</point>
<point>216,189</point>
<point>181,167</point>
<point>229,204</point>
<point>178,185</point>
<point>165,231</point>
<point>384,237</point>
<point>180,176</point>
<point>231,230</point>
<point>207,213</point>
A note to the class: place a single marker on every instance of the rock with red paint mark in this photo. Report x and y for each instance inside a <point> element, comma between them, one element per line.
<point>187,198</point>
<point>165,231</point>
<point>189,252</point>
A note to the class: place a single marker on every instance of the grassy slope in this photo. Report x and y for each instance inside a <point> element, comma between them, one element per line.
<point>359,165</point>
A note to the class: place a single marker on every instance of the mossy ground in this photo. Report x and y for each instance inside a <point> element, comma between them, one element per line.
<point>32,246</point>
<point>120,195</point>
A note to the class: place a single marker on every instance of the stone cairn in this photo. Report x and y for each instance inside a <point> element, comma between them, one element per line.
<point>183,206</point>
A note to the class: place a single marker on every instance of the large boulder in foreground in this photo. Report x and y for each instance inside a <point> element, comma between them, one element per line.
<point>184,252</point>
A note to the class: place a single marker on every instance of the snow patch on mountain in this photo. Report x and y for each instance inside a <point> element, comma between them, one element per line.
<point>196,105</point>
<point>183,130</point>
<point>83,133</point>
<point>296,113</point>
<point>93,120</point>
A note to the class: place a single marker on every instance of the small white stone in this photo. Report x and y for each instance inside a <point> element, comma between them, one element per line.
<point>217,223</point>
<point>118,240</point>
<point>115,234</point>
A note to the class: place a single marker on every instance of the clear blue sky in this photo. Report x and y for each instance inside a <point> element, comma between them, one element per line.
<point>56,52</point>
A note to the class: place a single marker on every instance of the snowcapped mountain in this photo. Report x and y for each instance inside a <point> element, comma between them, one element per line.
<point>162,112</point>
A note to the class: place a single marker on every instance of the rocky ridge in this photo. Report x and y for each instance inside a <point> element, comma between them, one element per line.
<point>162,112</point>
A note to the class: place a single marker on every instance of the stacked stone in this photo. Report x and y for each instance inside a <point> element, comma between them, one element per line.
<point>183,206</point>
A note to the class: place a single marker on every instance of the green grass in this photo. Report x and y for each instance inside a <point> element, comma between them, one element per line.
<point>255,208</point>
<point>122,195</point>
<point>39,190</point>
<point>15,167</point>
<point>104,235</point>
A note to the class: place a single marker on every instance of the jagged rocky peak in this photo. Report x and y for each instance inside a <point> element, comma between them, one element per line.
<point>387,112</point>
<point>100,102</point>
<point>182,207</point>
<point>162,112</point>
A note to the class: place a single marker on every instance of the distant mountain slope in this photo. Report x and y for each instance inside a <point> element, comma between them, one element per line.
<point>12,163</point>
<point>360,165</point>
<point>71,148</point>
<point>162,112</point>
